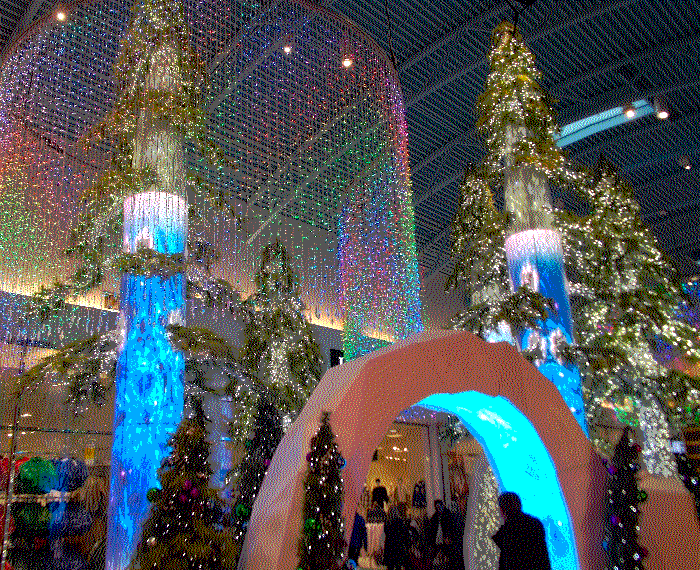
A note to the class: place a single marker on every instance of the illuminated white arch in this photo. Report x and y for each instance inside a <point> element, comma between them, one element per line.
<point>364,397</point>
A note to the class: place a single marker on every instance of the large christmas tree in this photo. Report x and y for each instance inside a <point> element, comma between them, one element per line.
<point>182,531</point>
<point>627,312</point>
<point>282,364</point>
<point>622,512</point>
<point>322,538</point>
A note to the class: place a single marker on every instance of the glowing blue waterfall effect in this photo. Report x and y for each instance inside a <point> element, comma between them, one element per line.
<point>149,387</point>
<point>535,257</point>
<point>520,462</point>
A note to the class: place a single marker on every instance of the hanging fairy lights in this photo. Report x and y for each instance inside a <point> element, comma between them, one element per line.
<point>309,116</point>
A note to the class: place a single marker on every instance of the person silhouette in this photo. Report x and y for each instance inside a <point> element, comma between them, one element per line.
<point>379,494</point>
<point>521,538</point>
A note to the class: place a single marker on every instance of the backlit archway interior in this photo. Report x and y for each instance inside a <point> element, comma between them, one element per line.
<point>520,461</point>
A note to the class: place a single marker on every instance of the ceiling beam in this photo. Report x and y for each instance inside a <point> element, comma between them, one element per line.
<point>450,36</point>
<point>438,270</point>
<point>439,187</point>
<point>257,62</point>
<point>256,21</point>
<point>658,181</point>
<point>445,148</point>
<point>313,177</point>
<point>659,158</point>
<point>433,241</point>
<point>563,24</point>
<point>676,248</point>
<point>330,122</point>
<point>560,89</point>
<point>23,23</point>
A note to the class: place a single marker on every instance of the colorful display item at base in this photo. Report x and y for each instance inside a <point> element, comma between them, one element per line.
<point>520,462</point>
<point>536,259</point>
<point>149,388</point>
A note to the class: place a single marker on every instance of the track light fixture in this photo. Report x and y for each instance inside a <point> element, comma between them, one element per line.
<point>684,161</point>
<point>660,108</point>
<point>629,111</point>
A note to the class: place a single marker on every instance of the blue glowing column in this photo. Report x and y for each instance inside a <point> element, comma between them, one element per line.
<point>149,387</point>
<point>535,259</point>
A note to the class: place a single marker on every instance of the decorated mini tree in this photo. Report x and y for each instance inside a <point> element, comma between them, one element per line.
<point>622,512</point>
<point>322,538</point>
<point>182,531</point>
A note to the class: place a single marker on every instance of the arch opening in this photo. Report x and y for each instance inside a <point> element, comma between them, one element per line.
<point>520,461</point>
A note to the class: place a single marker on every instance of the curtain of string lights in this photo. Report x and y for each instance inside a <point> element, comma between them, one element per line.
<point>309,113</point>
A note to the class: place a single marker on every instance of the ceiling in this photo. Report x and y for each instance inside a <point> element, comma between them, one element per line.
<point>593,56</point>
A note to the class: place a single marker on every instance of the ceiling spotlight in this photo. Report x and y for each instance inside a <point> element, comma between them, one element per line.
<point>629,111</point>
<point>60,15</point>
<point>684,161</point>
<point>347,61</point>
<point>287,49</point>
<point>660,108</point>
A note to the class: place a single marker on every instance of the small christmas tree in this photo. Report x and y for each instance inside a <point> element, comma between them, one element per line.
<point>182,531</point>
<point>622,513</point>
<point>250,473</point>
<point>322,540</point>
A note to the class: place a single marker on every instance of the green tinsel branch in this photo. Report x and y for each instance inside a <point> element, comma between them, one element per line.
<point>150,263</point>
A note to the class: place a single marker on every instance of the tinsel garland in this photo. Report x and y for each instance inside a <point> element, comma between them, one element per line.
<point>88,367</point>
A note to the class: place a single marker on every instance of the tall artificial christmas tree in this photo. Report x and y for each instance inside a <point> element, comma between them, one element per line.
<point>622,512</point>
<point>182,531</point>
<point>522,159</point>
<point>248,477</point>
<point>280,354</point>
<point>322,540</point>
<point>627,311</point>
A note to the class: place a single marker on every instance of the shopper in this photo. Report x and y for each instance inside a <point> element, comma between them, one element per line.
<point>379,494</point>
<point>441,535</point>
<point>521,538</point>
<point>358,538</point>
<point>396,539</point>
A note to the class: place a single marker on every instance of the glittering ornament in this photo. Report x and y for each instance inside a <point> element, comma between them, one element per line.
<point>309,525</point>
<point>153,494</point>
<point>642,496</point>
<point>242,511</point>
<point>151,541</point>
<point>341,462</point>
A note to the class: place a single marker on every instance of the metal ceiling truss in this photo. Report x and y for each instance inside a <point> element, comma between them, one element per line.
<point>565,23</point>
